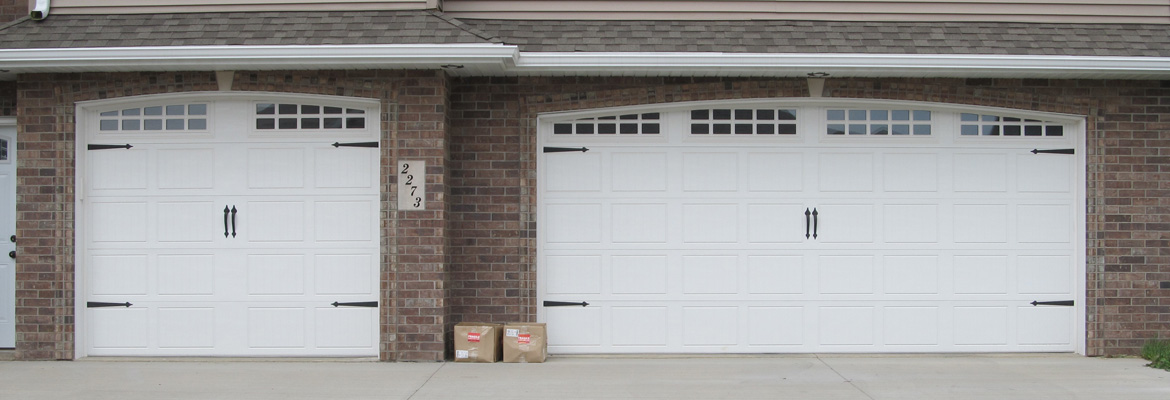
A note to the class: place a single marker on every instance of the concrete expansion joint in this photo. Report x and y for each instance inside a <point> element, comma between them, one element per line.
<point>843,378</point>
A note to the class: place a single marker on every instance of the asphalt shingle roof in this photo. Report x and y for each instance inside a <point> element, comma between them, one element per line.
<point>259,28</point>
<point>429,27</point>
<point>765,36</point>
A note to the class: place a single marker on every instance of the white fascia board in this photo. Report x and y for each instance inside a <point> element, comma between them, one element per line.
<point>883,65</point>
<point>103,59</point>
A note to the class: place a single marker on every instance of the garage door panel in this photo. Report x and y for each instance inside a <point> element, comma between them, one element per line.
<point>186,327</point>
<point>911,223</point>
<point>582,173</point>
<point>977,274</point>
<point>276,168</point>
<point>980,173</point>
<point>710,274</point>
<point>776,274</point>
<point>345,327</point>
<point>776,223</point>
<point>639,223</point>
<point>277,327</point>
<point>710,326</point>
<point>119,170</point>
<point>574,274</point>
<point>336,168</point>
<point>1044,223</point>
<point>846,172</point>
<point>639,172</point>
<point>846,274</point>
<point>710,172</point>
<point>846,223</point>
<point>846,325</point>
<point>1045,274</point>
<point>638,275</point>
<point>710,223</point>
<point>573,223</point>
<point>911,274</point>
<point>188,221</point>
<point>908,172</point>
<point>186,274</point>
<point>575,326</point>
<point>775,172</point>
<point>638,326</point>
<point>1044,174</point>
<point>981,325</point>
<point>119,328</point>
<point>186,168</point>
<point>980,223</point>
<point>776,326</point>
<point>116,221</point>
<point>124,274</point>
<point>916,326</point>
<point>345,274</point>
<point>1035,325</point>
<point>344,221</point>
<point>276,274</point>
<point>273,221</point>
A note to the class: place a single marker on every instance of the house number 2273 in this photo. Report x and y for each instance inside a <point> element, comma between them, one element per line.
<point>412,185</point>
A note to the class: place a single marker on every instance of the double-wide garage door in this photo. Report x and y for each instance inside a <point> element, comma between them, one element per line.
<point>814,228</point>
<point>230,226</point>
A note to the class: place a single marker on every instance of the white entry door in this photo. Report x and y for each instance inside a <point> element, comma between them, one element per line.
<point>242,231</point>
<point>7,235</point>
<point>859,228</point>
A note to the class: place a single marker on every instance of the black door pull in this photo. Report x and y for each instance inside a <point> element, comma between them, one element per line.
<point>225,221</point>
<point>816,221</point>
<point>233,221</point>
<point>806,223</point>
<point>12,254</point>
<point>564,303</point>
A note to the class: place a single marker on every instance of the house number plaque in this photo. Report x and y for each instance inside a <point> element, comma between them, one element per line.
<point>412,185</point>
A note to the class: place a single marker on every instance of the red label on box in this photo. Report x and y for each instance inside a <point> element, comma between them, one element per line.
<point>524,339</point>
<point>473,336</point>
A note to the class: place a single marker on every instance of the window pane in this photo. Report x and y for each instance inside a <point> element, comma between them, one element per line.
<point>333,110</point>
<point>310,109</point>
<point>265,123</point>
<point>265,109</point>
<point>920,115</point>
<point>765,129</point>
<point>175,124</point>
<point>310,123</point>
<point>650,129</point>
<point>197,123</point>
<point>629,128</point>
<point>650,116</point>
<point>109,125</point>
<point>700,114</point>
<point>131,111</point>
<point>176,110</point>
<point>879,115</point>
<point>743,114</point>
<point>152,125</point>
<point>835,115</point>
<point>287,109</point>
<point>156,110</point>
<point>700,129</point>
<point>765,115</point>
<point>131,124</point>
<point>287,123</point>
<point>197,109</point>
<point>857,115</point>
<point>355,123</point>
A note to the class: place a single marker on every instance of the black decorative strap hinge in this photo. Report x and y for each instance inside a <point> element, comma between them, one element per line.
<point>356,144</point>
<point>98,304</point>
<point>356,304</point>
<point>1054,151</point>
<point>1067,303</point>
<point>564,303</point>
<point>108,146</point>
<point>564,149</point>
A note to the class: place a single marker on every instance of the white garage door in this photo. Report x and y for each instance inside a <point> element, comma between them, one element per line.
<point>766,227</point>
<point>230,227</point>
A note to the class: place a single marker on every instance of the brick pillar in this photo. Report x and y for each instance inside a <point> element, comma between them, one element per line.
<point>44,223</point>
<point>421,310</point>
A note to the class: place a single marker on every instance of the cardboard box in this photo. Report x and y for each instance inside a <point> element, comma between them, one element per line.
<point>477,342</point>
<point>525,343</point>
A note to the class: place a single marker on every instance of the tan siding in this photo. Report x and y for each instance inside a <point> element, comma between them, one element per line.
<point>171,6</point>
<point>1085,11</point>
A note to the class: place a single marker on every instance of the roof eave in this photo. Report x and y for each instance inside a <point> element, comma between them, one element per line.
<point>495,59</point>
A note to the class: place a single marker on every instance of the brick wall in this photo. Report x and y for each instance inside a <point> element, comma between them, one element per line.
<point>11,10</point>
<point>471,255</point>
<point>1128,134</point>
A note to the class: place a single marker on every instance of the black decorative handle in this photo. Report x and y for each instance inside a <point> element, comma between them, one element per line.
<point>12,254</point>
<point>816,221</point>
<point>356,304</point>
<point>564,303</point>
<point>356,144</point>
<point>226,210</point>
<point>98,304</point>
<point>807,224</point>
<point>233,221</point>
<point>1067,303</point>
<point>1054,151</point>
<point>564,149</point>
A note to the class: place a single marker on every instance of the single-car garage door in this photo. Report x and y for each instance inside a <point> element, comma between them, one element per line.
<point>229,226</point>
<point>810,227</point>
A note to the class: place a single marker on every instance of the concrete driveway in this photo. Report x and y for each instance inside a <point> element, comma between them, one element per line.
<point>1000,377</point>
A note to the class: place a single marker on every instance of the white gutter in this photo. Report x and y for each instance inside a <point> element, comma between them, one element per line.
<point>208,58</point>
<point>891,65</point>
<point>495,59</point>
